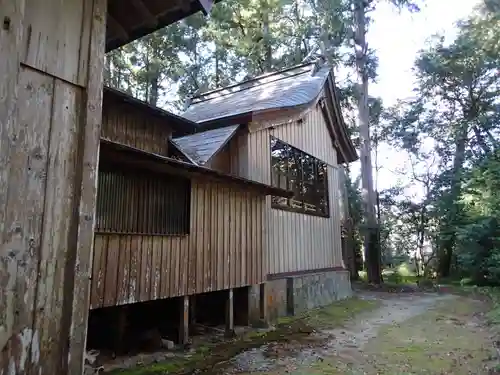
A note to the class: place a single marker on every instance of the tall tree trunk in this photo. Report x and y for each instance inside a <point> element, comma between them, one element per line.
<point>268,53</point>
<point>298,38</point>
<point>147,81</point>
<point>448,230</point>
<point>371,245</point>
<point>347,228</point>
<point>217,68</point>
<point>154,92</point>
<point>421,236</point>
<point>107,71</point>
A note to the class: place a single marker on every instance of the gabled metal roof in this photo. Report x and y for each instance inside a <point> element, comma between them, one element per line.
<point>289,88</point>
<point>201,147</point>
<point>113,153</point>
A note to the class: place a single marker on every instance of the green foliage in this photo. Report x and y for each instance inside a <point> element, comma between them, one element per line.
<point>394,278</point>
<point>240,39</point>
<point>454,121</point>
<point>450,129</point>
<point>478,238</point>
<point>354,199</point>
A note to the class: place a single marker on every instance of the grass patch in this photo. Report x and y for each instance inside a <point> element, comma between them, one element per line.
<point>438,342</point>
<point>492,294</point>
<point>208,358</point>
<point>331,316</point>
<point>401,274</point>
<point>337,314</point>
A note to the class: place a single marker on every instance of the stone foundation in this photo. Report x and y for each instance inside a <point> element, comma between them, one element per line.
<point>295,294</point>
<point>254,305</point>
<point>276,299</point>
<point>315,290</point>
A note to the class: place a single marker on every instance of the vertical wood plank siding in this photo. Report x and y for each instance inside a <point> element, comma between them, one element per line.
<point>298,242</point>
<point>222,160</point>
<point>52,55</point>
<point>222,251</point>
<point>124,123</point>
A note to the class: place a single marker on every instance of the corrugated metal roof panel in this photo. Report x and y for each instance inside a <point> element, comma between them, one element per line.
<point>200,147</point>
<point>289,88</point>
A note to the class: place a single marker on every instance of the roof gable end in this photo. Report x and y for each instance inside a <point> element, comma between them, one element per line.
<point>201,147</point>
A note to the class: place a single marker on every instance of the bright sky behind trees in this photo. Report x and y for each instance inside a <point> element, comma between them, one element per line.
<point>398,37</point>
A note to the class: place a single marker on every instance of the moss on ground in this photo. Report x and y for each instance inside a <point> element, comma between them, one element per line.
<point>447,339</point>
<point>441,341</point>
<point>337,314</point>
<point>207,358</point>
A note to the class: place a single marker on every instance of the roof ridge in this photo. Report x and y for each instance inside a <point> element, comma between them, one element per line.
<point>248,87</point>
<point>292,88</point>
<point>262,76</point>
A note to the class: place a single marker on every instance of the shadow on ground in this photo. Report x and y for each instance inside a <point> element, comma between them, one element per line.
<point>374,333</point>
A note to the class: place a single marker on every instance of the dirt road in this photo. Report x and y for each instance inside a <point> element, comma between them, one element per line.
<point>407,334</point>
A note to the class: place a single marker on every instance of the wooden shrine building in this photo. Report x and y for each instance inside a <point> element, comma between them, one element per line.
<point>51,83</point>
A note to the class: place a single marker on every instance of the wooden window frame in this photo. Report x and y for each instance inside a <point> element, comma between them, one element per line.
<point>313,201</point>
<point>135,202</point>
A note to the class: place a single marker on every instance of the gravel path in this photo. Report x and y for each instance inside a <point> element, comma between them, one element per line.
<point>345,342</point>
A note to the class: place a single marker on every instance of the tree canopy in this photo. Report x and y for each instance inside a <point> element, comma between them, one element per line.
<point>449,130</point>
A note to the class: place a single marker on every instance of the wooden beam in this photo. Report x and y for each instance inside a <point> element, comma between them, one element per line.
<point>230,313</point>
<point>117,28</point>
<point>184,321</point>
<point>184,5</point>
<point>151,20</point>
<point>332,129</point>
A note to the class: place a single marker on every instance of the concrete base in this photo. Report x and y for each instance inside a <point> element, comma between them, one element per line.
<point>254,313</point>
<point>276,299</point>
<point>296,294</point>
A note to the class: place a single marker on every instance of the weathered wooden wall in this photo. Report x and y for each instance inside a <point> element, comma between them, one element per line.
<point>296,241</point>
<point>222,161</point>
<point>229,159</point>
<point>50,114</point>
<point>125,123</point>
<point>223,250</point>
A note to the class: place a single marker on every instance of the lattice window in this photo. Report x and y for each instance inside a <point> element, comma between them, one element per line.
<point>138,203</point>
<point>305,175</point>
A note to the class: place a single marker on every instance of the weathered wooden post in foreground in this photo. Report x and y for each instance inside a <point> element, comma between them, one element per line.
<point>51,63</point>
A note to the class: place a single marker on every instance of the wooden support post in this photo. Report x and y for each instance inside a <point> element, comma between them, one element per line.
<point>50,121</point>
<point>230,313</point>
<point>192,310</point>
<point>184,323</point>
<point>121,326</point>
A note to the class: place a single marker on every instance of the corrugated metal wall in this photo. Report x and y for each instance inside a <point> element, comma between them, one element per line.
<point>299,242</point>
<point>223,250</point>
